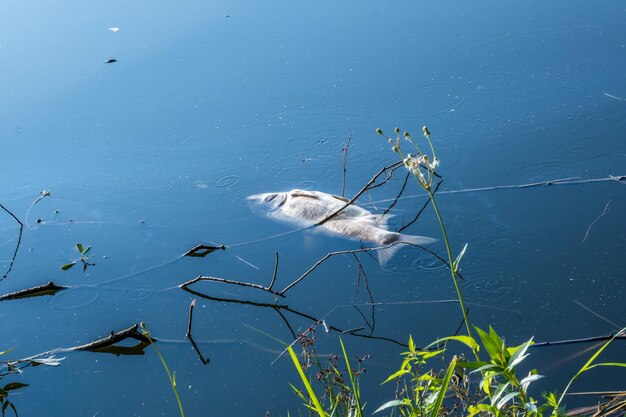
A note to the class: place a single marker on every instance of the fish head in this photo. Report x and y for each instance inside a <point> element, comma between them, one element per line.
<point>267,201</point>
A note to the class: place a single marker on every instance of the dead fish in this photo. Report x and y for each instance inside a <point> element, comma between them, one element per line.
<point>307,208</point>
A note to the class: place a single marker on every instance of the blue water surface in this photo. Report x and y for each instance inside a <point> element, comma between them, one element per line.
<point>209,102</point>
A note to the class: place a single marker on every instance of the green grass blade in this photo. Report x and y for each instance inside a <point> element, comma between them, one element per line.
<point>307,385</point>
<point>355,388</point>
<point>167,369</point>
<point>444,388</point>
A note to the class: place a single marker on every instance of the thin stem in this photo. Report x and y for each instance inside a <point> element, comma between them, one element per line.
<point>167,370</point>
<point>452,269</point>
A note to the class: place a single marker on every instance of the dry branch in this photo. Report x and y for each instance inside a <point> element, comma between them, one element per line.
<point>113,338</point>
<point>46,289</point>
<point>19,240</point>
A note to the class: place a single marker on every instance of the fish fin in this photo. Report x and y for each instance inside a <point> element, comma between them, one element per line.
<point>340,198</point>
<point>381,219</point>
<point>300,193</point>
<point>384,255</point>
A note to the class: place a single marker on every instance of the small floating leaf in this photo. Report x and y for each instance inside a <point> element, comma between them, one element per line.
<point>79,246</point>
<point>68,266</point>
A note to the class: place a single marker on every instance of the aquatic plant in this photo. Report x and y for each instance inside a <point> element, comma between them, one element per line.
<point>84,257</point>
<point>171,376</point>
<point>489,387</point>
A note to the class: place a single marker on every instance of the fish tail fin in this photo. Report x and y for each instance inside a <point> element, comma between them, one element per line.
<point>384,255</point>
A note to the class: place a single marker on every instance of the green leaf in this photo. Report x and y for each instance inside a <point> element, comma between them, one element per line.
<point>618,364</point>
<point>472,365</point>
<point>79,246</point>
<point>506,399</point>
<point>491,345</point>
<point>455,264</point>
<point>489,367</point>
<point>307,385</point>
<point>4,352</point>
<point>86,251</point>
<point>68,266</point>
<point>519,355</point>
<point>395,375</point>
<point>355,388</point>
<point>498,392</point>
<point>443,389</point>
<point>524,383</point>
<point>466,340</point>
<point>411,344</point>
<point>389,404</point>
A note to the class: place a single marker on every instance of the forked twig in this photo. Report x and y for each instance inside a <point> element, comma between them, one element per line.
<point>184,285</point>
<point>283,307</point>
<point>357,195</point>
<point>19,240</point>
<point>344,162</point>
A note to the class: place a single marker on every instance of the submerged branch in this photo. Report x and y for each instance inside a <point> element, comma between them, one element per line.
<point>280,308</point>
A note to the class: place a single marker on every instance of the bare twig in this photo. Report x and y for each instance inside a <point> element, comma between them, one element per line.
<point>361,272</point>
<point>419,213</point>
<point>274,274</point>
<point>406,180</point>
<point>113,338</point>
<point>610,336</point>
<point>606,208</point>
<point>191,306</point>
<point>342,252</point>
<point>286,308</point>
<point>344,161</point>
<point>190,337</point>
<point>184,285</point>
<point>357,195</point>
<point>19,241</point>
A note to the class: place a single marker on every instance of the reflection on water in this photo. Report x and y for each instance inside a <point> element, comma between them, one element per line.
<point>208,103</point>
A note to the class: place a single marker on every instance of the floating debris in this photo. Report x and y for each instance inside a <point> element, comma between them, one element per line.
<point>47,289</point>
<point>201,251</point>
<point>110,61</point>
<point>114,29</point>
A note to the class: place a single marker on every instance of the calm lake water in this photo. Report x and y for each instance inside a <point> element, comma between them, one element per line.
<point>212,101</point>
